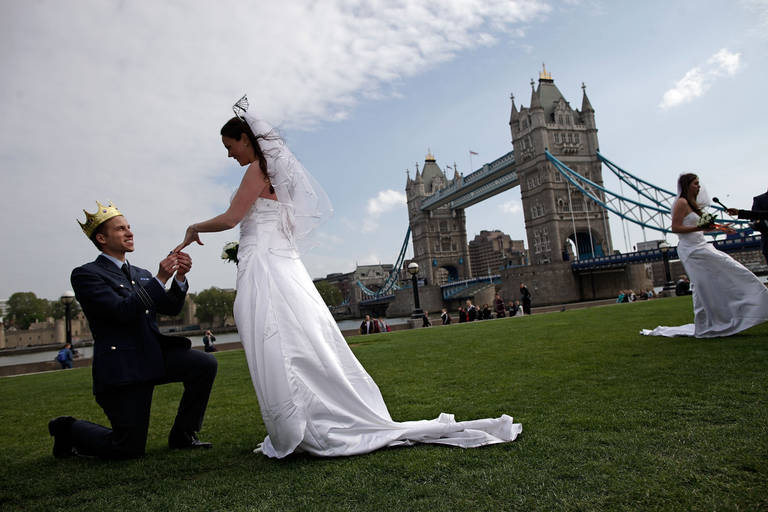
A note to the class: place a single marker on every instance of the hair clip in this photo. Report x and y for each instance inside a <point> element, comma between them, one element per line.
<point>240,107</point>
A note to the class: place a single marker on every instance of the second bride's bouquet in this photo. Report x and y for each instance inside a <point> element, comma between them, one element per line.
<point>229,253</point>
<point>707,221</point>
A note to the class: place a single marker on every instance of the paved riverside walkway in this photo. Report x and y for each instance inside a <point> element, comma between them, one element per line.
<point>46,366</point>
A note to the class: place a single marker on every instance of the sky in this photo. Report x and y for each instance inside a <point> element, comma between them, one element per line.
<point>123,101</point>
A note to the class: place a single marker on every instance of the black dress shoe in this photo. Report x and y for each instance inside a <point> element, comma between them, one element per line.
<point>60,428</point>
<point>186,440</point>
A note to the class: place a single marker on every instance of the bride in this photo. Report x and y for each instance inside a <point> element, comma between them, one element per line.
<point>727,298</point>
<point>313,394</point>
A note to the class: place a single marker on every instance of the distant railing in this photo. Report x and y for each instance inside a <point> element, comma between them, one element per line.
<point>379,299</point>
<point>487,169</point>
<point>616,260</point>
<point>456,287</point>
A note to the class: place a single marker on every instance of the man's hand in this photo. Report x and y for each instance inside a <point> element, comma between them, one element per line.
<point>732,212</point>
<point>168,267</point>
<point>184,262</point>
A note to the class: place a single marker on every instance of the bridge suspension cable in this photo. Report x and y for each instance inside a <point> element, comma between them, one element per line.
<point>656,216</point>
<point>391,282</point>
<point>661,197</point>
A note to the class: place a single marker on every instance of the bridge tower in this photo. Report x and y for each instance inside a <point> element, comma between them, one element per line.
<point>439,236</point>
<point>557,216</point>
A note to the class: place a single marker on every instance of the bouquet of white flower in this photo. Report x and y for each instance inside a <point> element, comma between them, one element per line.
<point>706,220</point>
<point>230,251</point>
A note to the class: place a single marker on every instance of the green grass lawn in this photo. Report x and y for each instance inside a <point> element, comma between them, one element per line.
<point>611,421</point>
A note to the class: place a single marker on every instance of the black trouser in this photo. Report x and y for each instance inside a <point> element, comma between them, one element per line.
<point>127,407</point>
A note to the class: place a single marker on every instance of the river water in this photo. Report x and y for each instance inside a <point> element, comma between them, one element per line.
<point>228,337</point>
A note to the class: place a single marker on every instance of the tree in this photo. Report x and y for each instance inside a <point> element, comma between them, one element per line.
<point>24,308</point>
<point>330,294</point>
<point>56,309</point>
<point>214,303</point>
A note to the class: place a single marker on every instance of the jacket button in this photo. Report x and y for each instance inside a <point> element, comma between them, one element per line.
<point>146,311</point>
<point>121,286</point>
<point>113,347</point>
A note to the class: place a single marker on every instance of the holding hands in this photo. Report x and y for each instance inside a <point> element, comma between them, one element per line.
<point>191,235</point>
<point>179,263</point>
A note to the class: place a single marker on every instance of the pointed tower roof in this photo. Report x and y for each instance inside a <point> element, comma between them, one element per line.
<point>548,93</point>
<point>431,169</point>
<point>513,114</point>
<point>535,102</point>
<point>586,106</point>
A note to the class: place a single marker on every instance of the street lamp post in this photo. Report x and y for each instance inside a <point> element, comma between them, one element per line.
<point>413,269</point>
<point>67,298</point>
<point>664,248</point>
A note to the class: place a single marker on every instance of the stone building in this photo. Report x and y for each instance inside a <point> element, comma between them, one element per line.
<point>492,251</point>
<point>372,277</point>
<point>49,332</point>
<point>439,236</point>
<point>559,220</point>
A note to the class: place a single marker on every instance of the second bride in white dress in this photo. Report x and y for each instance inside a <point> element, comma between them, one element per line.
<point>727,297</point>
<point>313,394</point>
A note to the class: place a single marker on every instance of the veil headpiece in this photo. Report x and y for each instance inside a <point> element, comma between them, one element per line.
<point>304,203</point>
<point>702,200</point>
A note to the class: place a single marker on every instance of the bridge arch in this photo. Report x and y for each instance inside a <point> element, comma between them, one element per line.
<point>445,274</point>
<point>586,243</point>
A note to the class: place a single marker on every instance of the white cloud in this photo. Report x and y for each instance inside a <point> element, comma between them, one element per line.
<point>725,62</point>
<point>697,81</point>
<point>511,207</point>
<point>123,100</point>
<point>385,201</point>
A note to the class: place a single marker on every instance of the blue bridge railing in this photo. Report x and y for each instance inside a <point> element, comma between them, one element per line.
<point>618,260</point>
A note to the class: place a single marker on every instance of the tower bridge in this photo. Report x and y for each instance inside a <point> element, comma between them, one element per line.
<point>557,165</point>
<point>562,223</point>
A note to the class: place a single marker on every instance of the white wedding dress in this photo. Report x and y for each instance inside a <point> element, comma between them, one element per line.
<point>727,297</point>
<point>314,395</point>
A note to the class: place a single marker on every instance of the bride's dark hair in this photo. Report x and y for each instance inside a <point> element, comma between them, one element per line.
<point>234,129</point>
<point>683,183</point>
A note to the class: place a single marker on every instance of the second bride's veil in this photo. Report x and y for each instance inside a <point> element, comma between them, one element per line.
<point>703,199</point>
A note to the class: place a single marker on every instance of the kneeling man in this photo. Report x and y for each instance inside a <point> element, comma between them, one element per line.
<point>130,355</point>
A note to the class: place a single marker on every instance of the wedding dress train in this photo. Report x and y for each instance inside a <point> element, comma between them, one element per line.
<point>727,297</point>
<point>313,393</point>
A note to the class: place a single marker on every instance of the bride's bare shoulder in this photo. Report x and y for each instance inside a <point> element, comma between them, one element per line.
<point>681,204</point>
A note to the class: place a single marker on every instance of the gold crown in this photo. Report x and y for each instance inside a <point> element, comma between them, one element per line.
<point>96,219</point>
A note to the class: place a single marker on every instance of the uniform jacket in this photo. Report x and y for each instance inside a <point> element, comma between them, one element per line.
<point>122,315</point>
<point>761,203</point>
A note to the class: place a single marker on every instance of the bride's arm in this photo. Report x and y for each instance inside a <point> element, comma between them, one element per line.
<point>251,187</point>
<point>679,210</point>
